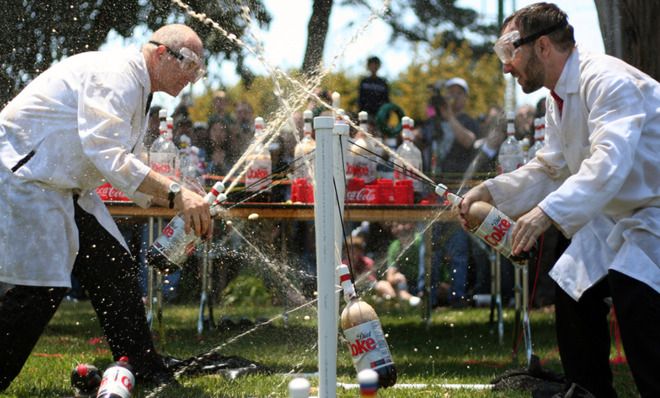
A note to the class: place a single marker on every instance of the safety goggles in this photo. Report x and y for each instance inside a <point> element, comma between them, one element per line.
<point>506,47</point>
<point>188,60</point>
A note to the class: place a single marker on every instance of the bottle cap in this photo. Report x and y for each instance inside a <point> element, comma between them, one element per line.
<point>258,123</point>
<point>162,114</point>
<point>363,116</point>
<point>345,280</point>
<point>368,379</point>
<point>299,388</point>
<point>308,115</point>
<point>440,189</point>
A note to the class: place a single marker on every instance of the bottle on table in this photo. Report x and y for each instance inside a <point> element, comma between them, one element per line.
<point>409,152</point>
<point>487,223</point>
<point>118,380</point>
<point>510,155</point>
<point>364,165</point>
<point>539,138</point>
<point>258,175</point>
<point>173,247</point>
<point>364,334</point>
<point>163,154</point>
<point>303,149</point>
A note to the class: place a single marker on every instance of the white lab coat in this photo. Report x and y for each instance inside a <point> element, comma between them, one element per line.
<point>85,120</point>
<point>598,175</point>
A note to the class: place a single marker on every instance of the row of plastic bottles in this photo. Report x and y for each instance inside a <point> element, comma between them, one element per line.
<point>175,163</point>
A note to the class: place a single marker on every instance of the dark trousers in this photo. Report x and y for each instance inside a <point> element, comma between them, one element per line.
<point>110,276</point>
<point>584,340</point>
<point>638,311</point>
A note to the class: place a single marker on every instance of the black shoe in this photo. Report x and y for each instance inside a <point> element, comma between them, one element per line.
<point>156,379</point>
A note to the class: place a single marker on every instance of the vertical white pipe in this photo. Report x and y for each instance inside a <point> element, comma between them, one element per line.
<point>325,218</point>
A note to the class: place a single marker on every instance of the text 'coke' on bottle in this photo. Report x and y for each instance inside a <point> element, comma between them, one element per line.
<point>487,223</point>
<point>364,333</point>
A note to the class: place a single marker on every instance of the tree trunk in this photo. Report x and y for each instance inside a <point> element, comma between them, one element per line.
<point>317,30</point>
<point>629,32</point>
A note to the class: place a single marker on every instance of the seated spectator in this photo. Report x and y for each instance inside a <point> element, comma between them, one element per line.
<point>402,265</point>
<point>361,265</point>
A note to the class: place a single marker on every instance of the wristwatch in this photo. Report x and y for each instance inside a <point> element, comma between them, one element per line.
<point>173,190</point>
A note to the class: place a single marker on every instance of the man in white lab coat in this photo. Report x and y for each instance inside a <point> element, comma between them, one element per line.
<point>598,180</point>
<point>77,125</point>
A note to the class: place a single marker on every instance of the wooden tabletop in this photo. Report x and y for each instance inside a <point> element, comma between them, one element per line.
<point>302,212</point>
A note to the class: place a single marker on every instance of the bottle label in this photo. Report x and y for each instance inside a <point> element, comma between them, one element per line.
<point>368,346</point>
<point>496,231</point>
<point>174,243</point>
<point>117,382</point>
<point>257,175</point>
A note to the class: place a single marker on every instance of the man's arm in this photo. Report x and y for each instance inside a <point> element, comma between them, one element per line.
<point>193,207</point>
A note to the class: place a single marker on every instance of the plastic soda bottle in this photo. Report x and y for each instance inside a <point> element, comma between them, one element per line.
<point>258,175</point>
<point>411,154</point>
<point>510,156</point>
<point>539,138</point>
<point>118,380</point>
<point>364,334</point>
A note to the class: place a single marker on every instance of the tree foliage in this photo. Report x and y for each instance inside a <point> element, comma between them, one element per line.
<point>45,31</point>
<point>423,21</point>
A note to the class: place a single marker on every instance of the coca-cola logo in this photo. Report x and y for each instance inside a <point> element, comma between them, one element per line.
<point>163,168</point>
<point>363,344</point>
<point>257,174</point>
<point>364,195</point>
<point>499,232</point>
<point>357,169</point>
<point>168,231</point>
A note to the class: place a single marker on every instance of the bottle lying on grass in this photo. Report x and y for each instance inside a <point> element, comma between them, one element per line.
<point>487,223</point>
<point>364,334</point>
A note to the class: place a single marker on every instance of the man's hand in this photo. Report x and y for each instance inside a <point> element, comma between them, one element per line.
<point>528,228</point>
<point>195,212</point>
<point>477,194</point>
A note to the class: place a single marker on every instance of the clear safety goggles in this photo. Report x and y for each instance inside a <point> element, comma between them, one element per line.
<point>188,60</point>
<point>506,47</point>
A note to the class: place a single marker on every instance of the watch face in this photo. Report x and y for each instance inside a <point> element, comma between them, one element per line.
<point>175,188</point>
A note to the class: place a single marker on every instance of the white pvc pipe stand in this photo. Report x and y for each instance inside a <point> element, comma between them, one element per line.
<point>325,218</point>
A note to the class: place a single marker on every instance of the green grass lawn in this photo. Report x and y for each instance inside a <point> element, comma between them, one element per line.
<point>459,346</point>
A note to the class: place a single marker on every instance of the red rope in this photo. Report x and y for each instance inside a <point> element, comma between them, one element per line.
<point>616,332</point>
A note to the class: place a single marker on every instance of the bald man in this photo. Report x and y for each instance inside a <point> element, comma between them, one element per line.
<point>77,125</point>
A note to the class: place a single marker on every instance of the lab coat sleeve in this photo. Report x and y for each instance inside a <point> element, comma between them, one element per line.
<point>615,121</point>
<point>107,105</point>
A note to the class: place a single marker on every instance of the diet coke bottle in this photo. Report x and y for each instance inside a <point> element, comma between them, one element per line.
<point>118,380</point>
<point>487,223</point>
<point>174,245</point>
<point>364,334</point>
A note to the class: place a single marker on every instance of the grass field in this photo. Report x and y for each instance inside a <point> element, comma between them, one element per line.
<point>459,347</point>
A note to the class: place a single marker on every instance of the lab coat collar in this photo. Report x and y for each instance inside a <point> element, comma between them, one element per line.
<point>569,80</point>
